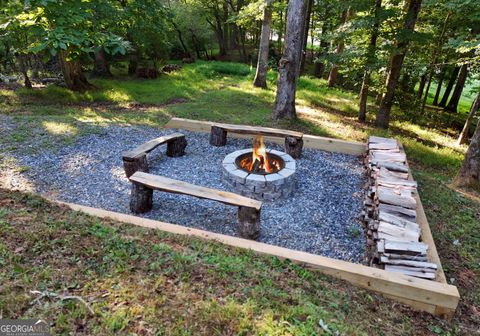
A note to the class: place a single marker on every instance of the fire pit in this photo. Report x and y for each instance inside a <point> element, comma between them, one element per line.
<point>260,173</point>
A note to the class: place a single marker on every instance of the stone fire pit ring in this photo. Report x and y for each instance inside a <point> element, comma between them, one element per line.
<point>267,187</point>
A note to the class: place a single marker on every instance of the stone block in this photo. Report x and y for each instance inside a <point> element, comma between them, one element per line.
<point>256,180</point>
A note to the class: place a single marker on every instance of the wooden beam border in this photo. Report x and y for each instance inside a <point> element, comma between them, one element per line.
<point>309,141</point>
<point>424,295</point>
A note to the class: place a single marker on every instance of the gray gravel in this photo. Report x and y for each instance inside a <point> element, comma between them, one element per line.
<point>320,218</point>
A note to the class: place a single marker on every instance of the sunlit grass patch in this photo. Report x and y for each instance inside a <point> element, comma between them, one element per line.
<point>59,128</point>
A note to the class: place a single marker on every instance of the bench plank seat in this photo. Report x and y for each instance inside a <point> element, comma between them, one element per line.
<point>267,131</point>
<point>293,139</point>
<point>147,147</point>
<point>180,187</point>
<point>143,185</point>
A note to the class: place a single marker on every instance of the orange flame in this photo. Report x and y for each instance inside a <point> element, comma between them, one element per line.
<point>260,154</point>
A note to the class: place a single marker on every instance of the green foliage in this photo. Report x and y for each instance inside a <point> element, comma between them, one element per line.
<point>222,68</point>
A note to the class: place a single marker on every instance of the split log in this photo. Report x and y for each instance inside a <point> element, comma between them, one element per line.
<point>399,211</point>
<point>397,197</point>
<point>412,271</point>
<point>393,167</point>
<point>393,256</point>
<point>410,263</point>
<point>411,248</point>
<point>398,221</point>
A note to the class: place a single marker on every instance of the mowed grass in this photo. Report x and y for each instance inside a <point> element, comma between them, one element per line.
<point>217,91</point>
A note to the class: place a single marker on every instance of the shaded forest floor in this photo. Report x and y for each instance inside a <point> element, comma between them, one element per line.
<point>199,288</point>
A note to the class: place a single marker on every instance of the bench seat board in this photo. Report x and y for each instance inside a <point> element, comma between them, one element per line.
<point>150,145</point>
<point>245,129</point>
<point>174,186</point>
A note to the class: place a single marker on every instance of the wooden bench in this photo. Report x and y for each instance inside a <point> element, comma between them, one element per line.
<point>136,159</point>
<point>144,184</point>
<point>293,139</point>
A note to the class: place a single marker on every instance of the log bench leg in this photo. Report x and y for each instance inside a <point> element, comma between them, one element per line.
<point>138,164</point>
<point>293,146</point>
<point>140,198</point>
<point>218,136</point>
<point>248,222</point>
<point>176,148</point>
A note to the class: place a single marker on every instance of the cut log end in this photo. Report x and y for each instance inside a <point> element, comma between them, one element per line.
<point>176,148</point>
<point>140,198</point>
<point>293,146</point>
<point>138,164</point>
<point>248,222</point>
<point>218,136</point>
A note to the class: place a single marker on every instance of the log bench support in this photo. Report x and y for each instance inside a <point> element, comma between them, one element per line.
<point>136,159</point>
<point>248,222</point>
<point>293,140</point>
<point>143,185</point>
<point>293,146</point>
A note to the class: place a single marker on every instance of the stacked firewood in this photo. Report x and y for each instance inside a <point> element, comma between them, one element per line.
<point>390,216</point>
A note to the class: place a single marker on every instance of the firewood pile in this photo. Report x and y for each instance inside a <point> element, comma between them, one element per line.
<point>390,217</point>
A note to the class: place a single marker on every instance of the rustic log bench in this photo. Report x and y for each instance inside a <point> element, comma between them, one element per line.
<point>293,140</point>
<point>136,159</point>
<point>143,185</point>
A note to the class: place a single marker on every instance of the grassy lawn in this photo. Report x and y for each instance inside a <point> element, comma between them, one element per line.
<point>193,287</point>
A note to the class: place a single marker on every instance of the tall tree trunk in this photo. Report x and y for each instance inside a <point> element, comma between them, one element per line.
<point>362,111</point>
<point>320,66</point>
<point>448,89</point>
<point>306,29</point>
<point>436,51</point>
<point>288,65</point>
<point>72,74</point>
<point>439,87</point>
<point>261,74</point>
<point>332,76</point>
<point>469,174</point>
<point>383,114</point>
<point>280,33</point>
<point>100,66</point>
<point>421,86</point>
<point>466,128</point>
<point>457,92</point>
<point>23,70</point>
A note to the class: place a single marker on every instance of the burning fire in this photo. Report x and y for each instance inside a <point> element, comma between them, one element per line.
<point>259,160</point>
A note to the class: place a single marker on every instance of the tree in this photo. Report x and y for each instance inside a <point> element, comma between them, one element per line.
<point>469,174</point>
<point>450,84</point>
<point>66,29</point>
<point>466,128</point>
<point>288,65</point>
<point>332,76</point>
<point>396,62</point>
<point>457,92</point>
<point>262,63</point>
<point>362,112</point>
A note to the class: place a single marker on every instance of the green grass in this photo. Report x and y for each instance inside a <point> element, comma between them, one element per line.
<point>182,286</point>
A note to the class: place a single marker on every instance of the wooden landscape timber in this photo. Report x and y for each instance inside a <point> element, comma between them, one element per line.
<point>309,141</point>
<point>434,297</point>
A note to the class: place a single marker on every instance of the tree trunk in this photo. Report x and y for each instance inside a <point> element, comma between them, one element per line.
<point>280,33</point>
<point>72,74</point>
<point>288,65</point>
<point>23,70</point>
<point>457,92</point>
<point>448,89</point>
<point>320,66</point>
<point>100,66</point>
<point>133,64</point>
<point>306,29</point>
<point>469,174</point>
<point>466,128</point>
<point>332,76</point>
<point>421,86</point>
<point>383,114</point>
<point>439,87</point>
<point>362,111</point>
<point>261,74</point>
